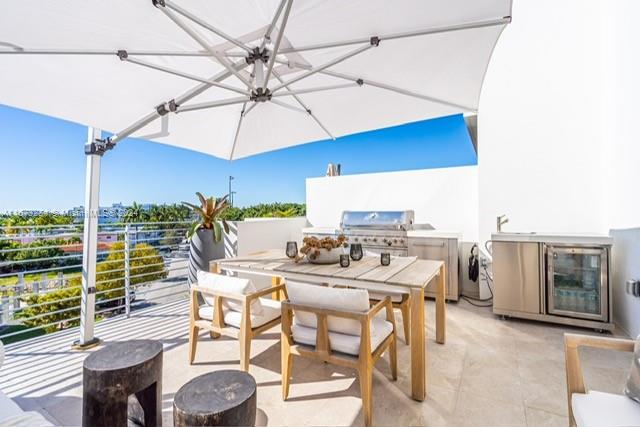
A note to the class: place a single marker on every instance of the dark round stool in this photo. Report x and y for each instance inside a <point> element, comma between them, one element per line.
<point>112,374</point>
<point>222,398</point>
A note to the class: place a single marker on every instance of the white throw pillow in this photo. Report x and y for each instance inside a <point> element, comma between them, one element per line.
<point>338,299</point>
<point>229,285</point>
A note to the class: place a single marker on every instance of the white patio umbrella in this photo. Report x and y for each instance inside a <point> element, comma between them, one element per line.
<point>238,77</point>
<point>235,78</point>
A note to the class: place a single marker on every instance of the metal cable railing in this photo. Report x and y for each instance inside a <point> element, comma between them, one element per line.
<point>138,265</point>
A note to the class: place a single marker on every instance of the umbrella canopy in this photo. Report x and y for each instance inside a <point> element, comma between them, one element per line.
<point>235,78</point>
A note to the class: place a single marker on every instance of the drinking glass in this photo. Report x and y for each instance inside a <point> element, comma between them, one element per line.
<point>385,258</point>
<point>292,249</point>
<point>356,251</point>
<point>344,260</point>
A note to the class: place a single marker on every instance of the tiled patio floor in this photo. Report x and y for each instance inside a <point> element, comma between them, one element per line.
<point>489,373</point>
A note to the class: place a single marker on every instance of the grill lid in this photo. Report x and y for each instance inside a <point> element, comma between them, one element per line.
<point>381,220</point>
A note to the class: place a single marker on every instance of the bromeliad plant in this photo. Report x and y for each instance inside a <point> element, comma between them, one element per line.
<point>209,213</point>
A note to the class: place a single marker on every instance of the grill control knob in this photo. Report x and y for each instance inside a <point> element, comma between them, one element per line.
<point>356,239</point>
<point>395,240</point>
<point>401,241</point>
<point>389,243</point>
<point>375,239</point>
<point>366,239</point>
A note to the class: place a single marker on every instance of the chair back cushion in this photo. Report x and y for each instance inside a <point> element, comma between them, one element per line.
<point>337,299</point>
<point>228,285</point>
<point>632,388</point>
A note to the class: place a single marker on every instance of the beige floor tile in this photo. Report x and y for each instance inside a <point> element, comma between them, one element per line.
<point>482,410</point>
<point>538,418</point>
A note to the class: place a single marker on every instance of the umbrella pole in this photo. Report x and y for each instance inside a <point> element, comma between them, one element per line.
<point>94,149</point>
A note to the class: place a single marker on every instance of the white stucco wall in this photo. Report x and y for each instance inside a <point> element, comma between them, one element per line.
<point>622,95</point>
<point>446,198</point>
<point>541,121</point>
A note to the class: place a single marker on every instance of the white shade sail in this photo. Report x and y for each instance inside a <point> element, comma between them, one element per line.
<point>202,75</point>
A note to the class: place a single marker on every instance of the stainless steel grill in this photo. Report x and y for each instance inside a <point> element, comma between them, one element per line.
<point>378,231</point>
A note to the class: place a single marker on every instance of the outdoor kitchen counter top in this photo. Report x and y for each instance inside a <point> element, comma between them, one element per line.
<point>436,234</point>
<point>557,238</point>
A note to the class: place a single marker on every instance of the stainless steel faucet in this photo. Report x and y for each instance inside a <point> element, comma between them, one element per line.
<point>500,221</point>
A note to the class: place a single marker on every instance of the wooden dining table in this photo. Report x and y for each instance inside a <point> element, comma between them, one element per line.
<point>408,274</point>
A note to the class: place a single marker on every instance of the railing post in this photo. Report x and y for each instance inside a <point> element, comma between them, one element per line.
<point>127,270</point>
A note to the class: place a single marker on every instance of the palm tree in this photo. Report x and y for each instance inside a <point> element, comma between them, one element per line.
<point>135,213</point>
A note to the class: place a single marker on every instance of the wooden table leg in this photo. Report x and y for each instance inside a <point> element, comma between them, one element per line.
<point>441,321</point>
<point>418,351</point>
<point>276,281</point>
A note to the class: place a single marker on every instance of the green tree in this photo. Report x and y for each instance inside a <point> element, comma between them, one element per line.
<point>135,213</point>
<point>146,265</point>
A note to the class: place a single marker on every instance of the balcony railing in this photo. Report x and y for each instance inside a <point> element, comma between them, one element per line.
<point>138,265</point>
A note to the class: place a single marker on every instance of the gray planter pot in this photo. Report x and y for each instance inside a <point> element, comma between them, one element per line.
<point>202,250</point>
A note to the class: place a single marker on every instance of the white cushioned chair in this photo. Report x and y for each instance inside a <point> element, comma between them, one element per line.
<point>233,307</point>
<point>12,415</point>
<point>594,408</point>
<point>337,325</point>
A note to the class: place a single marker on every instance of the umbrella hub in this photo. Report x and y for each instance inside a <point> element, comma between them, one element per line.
<point>260,95</point>
<point>258,54</point>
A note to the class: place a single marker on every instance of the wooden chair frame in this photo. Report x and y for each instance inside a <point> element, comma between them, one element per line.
<point>363,363</point>
<point>217,327</point>
<point>575,379</point>
<point>404,306</point>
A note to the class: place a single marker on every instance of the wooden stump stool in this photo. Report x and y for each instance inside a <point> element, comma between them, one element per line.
<point>222,398</point>
<point>112,374</point>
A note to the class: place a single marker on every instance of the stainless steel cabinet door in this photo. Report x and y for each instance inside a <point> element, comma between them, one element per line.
<point>516,277</point>
<point>436,249</point>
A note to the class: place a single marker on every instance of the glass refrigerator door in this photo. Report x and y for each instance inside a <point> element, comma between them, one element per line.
<point>577,280</point>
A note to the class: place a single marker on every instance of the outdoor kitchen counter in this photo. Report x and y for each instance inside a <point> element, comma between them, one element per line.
<point>435,234</point>
<point>407,274</point>
<point>321,230</point>
<point>557,238</point>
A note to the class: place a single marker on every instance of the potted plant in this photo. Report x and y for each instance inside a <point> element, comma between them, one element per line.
<point>205,233</point>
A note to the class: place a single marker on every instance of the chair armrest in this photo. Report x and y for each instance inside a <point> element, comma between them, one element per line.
<point>214,293</point>
<point>265,291</point>
<point>607,343</point>
<point>575,379</point>
<point>378,306</point>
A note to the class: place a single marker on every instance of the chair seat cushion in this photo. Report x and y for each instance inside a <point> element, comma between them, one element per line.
<point>598,409</point>
<point>228,285</point>
<point>270,311</point>
<point>344,343</point>
<point>338,299</point>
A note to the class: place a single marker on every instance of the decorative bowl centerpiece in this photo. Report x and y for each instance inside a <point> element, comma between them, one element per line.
<point>322,251</point>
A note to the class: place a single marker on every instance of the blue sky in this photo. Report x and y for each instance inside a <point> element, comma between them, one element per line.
<point>43,163</point>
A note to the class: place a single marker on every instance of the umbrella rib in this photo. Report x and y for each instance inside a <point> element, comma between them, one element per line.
<point>276,46</point>
<point>212,104</point>
<point>267,34</point>
<point>331,63</point>
<point>302,104</point>
<point>206,25</point>
<point>427,31</point>
<point>190,94</point>
<point>235,138</point>
<point>195,36</point>
<point>182,74</point>
<point>290,107</point>
<point>316,89</point>
<point>103,52</point>
<point>381,86</point>
<point>400,90</point>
